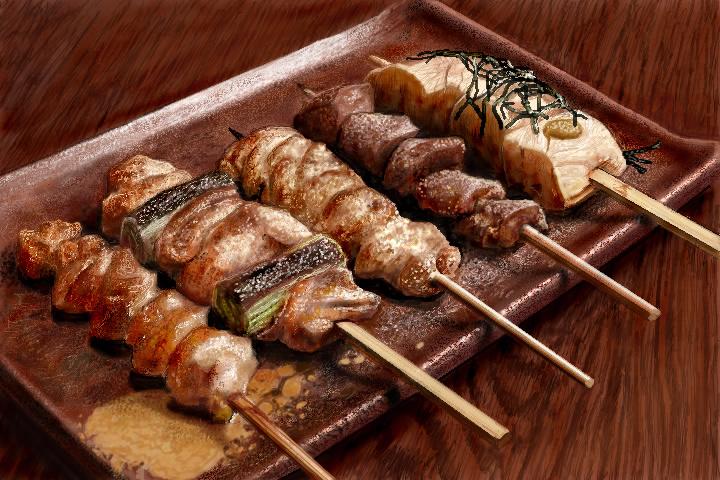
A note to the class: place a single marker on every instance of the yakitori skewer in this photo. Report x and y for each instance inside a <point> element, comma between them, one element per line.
<point>525,129</point>
<point>264,272</point>
<point>306,179</point>
<point>166,331</point>
<point>386,146</point>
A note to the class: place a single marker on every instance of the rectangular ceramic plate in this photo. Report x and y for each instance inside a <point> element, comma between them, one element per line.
<point>48,365</point>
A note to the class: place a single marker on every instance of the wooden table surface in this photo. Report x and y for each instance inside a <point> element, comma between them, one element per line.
<point>74,69</point>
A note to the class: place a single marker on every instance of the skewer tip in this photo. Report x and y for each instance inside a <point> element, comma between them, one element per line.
<point>653,314</point>
<point>379,61</point>
<point>235,133</point>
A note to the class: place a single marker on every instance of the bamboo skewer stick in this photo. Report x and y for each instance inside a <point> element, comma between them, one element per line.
<point>429,386</point>
<point>558,253</point>
<point>502,322</point>
<point>664,216</point>
<point>258,418</point>
<point>589,273</point>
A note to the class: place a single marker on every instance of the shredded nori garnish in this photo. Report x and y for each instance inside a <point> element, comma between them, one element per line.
<point>503,79</point>
<point>632,159</point>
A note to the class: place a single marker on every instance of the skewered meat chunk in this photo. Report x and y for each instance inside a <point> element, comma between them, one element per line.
<point>131,183</point>
<point>405,253</point>
<point>207,367</point>
<point>370,138</point>
<point>307,319</point>
<point>353,214</point>
<point>452,193</point>
<point>497,223</point>
<point>416,158</point>
<point>158,328</point>
<point>552,166</point>
<point>125,289</point>
<point>254,150</point>
<point>326,179</point>
<point>250,235</point>
<point>141,228</point>
<point>36,248</point>
<point>322,116</point>
<point>78,289</point>
<point>184,235</point>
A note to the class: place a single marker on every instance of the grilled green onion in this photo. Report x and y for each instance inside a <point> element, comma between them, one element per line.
<point>141,228</point>
<point>249,302</point>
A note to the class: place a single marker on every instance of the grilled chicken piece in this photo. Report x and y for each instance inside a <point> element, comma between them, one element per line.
<point>405,253</point>
<point>353,214</point>
<point>452,193</point>
<point>158,328</point>
<point>497,223</point>
<point>207,367</point>
<point>552,166</point>
<point>370,138</point>
<point>307,320</point>
<point>126,288</point>
<point>416,158</point>
<point>321,117</point>
<point>251,234</point>
<point>78,288</point>
<point>326,179</point>
<point>254,150</point>
<point>184,236</point>
<point>131,183</point>
<point>36,248</point>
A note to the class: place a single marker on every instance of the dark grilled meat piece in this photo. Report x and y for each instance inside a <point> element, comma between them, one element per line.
<point>452,193</point>
<point>321,117</point>
<point>370,138</point>
<point>416,158</point>
<point>497,223</point>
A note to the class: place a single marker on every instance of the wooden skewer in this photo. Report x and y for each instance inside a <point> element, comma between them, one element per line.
<point>511,328</point>
<point>429,386</point>
<point>558,253</point>
<point>258,418</point>
<point>589,273</point>
<point>664,216</point>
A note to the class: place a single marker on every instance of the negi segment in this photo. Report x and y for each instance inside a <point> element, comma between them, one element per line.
<point>142,226</point>
<point>249,301</point>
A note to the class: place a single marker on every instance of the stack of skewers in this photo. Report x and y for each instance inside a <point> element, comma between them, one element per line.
<point>277,270</point>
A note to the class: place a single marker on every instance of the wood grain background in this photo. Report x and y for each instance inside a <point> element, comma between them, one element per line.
<point>71,70</point>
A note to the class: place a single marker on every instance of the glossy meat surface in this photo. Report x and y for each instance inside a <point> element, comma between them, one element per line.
<point>321,117</point>
<point>207,367</point>
<point>452,193</point>
<point>131,183</point>
<point>497,223</point>
<point>157,329</point>
<point>416,158</point>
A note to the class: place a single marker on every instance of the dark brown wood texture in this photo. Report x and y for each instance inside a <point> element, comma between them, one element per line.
<point>75,69</point>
